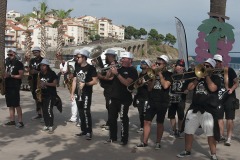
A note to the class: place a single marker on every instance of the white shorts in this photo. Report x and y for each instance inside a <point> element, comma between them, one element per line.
<point>194,120</point>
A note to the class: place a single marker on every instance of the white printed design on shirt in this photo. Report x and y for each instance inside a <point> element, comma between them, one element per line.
<point>200,89</point>
<point>177,86</point>
<point>223,89</point>
<point>35,65</point>
<point>81,76</point>
<point>157,84</point>
<point>9,69</point>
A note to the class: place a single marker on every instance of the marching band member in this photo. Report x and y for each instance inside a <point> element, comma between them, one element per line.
<point>121,98</point>
<point>34,67</point>
<point>85,77</point>
<point>106,82</point>
<point>158,100</point>
<point>177,93</point>
<point>141,98</point>
<point>47,92</point>
<point>203,110</point>
<point>13,75</point>
<point>227,107</point>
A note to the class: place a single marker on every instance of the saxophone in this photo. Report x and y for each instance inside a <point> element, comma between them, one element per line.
<point>39,90</point>
<point>79,88</point>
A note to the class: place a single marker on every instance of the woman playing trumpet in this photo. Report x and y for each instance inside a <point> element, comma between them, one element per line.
<point>158,100</point>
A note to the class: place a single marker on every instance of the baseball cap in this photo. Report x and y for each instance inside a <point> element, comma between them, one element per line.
<point>45,61</point>
<point>84,52</point>
<point>180,62</point>
<point>13,50</point>
<point>147,61</point>
<point>76,52</point>
<point>164,57</point>
<point>36,48</point>
<point>211,61</point>
<point>110,52</point>
<point>126,55</point>
<point>218,57</point>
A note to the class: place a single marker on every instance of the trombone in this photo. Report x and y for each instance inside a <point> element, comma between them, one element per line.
<point>199,72</point>
<point>150,75</point>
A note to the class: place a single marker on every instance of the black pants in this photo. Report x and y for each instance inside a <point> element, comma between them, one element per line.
<point>108,101</point>
<point>119,106</point>
<point>59,75</point>
<point>47,109</point>
<point>84,109</point>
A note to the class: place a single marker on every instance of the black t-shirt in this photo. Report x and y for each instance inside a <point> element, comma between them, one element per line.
<point>85,74</point>
<point>119,90</point>
<point>13,67</point>
<point>35,64</point>
<point>142,92</point>
<point>106,84</point>
<point>203,99</point>
<point>158,93</point>
<point>179,86</point>
<point>49,77</point>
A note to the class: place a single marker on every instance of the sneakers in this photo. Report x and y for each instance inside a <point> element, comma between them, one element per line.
<point>214,157</point>
<point>142,144</point>
<point>78,125</point>
<point>172,134</point>
<point>228,142</point>
<point>140,130</point>
<point>37,117</point>
<point>157,146</point>
<point>81,134</point>
<point>109,141</point>
<point>71,121</point>
<point>44,129</point>
<point>89,136</point>
<point>50,130</point>
<point>179,135</point>
<point>19,125</point>
<point>222,139</point>
<point>184,154</point>
<point>10,123</point>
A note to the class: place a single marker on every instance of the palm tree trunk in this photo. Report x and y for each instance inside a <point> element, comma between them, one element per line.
<point>43,41</point>
<point>218,7</point>
<point>28,41</point>
<point>60,40</point>
<point>3,10</point>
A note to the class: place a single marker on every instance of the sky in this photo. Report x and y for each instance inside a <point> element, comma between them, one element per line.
<point>150,14</point>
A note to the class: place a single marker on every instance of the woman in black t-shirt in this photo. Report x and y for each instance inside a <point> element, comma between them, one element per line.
<point>13,76</point>
<point>47,82</point>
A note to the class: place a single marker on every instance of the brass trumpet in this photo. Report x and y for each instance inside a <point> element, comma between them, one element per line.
<point>118,65</point>
<point>199,72</point>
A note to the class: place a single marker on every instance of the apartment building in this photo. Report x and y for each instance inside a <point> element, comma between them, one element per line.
<point>75,34</point>
<point>12,15</point>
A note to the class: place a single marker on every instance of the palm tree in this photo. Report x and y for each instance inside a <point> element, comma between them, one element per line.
<point>28,39</point>
<point>218,9</point>
<point>41,14</point>
<point>60,15</point>
<point>3,10</point>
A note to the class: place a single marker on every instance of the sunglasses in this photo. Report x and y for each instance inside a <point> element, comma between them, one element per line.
<point>79,57</point>
<point>10,54</point>
<point>218,61</point>
<point>144,63</point>
<point>35,52</point>
<point>207,66</point>
<point>158,63</point>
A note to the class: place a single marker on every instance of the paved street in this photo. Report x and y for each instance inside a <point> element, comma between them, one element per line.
<point>30,143</point>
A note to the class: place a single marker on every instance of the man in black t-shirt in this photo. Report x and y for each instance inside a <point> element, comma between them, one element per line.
<point>47,82</point>
<point>203,110</point>
<point>34,67</point>
<point>121,98</point>
<point>229,83</point>
<point>13,79</point>
<point>141,97</point>
<point>85,76</point>
<point>177,94</point>
<point>106,82</point>
<point>158,100</point>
